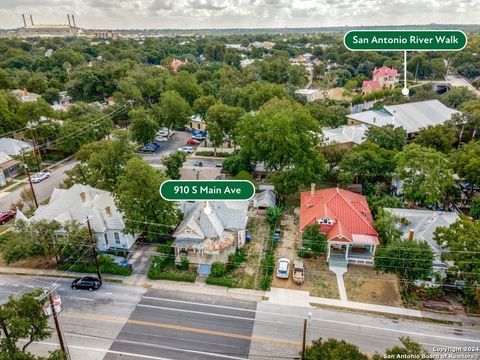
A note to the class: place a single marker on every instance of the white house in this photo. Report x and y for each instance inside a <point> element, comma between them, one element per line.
<point>81,202</point>
<point>420,226</point>
<point>210,230</point>
<point>14,147</point>
<point>310,94</point>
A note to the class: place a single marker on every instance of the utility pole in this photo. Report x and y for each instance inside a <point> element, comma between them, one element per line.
<point>31,186</point>
<point>57,326</point>
<point>53,308</point>
<point>94,248</point>
<point>306,322</point>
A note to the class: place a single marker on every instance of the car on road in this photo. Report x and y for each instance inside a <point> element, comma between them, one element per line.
<point>199,138</point>
<point>186,149</point>
<point>283,268</point>
<point>198,163</point>
<point>6,216</point>
<point>219,165</point>
<point>40,176</point>
<point>192,141</point>
<point>86,282</point>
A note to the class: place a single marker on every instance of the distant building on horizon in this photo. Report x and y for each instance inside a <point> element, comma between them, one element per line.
<point>49,30</point>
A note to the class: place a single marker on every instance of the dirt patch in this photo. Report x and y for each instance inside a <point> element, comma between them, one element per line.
<point>363,284</point>
<point>33,263</point>
<point>319,280</point>
<point>249,274</point>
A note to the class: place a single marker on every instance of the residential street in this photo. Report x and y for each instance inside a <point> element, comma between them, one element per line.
<point>459,81</point>
<point>127,322</point>
<point>43,189</point>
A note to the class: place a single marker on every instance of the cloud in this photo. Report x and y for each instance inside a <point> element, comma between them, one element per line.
<point>239,13</point>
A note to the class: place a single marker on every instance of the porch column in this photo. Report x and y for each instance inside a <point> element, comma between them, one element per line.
<point>346,252</point>
<point>328,253</point>
<point>373,250</point>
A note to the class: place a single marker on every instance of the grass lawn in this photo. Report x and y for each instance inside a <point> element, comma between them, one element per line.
<point>363,284</point>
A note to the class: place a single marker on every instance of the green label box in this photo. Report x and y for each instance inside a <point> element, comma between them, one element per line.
<point>405,40</point>
<point>191,190</point>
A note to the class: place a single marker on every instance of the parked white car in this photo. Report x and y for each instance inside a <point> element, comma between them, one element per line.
<point>40,176</point>
<point>283,268</point>
<point>160,138</point>
<point>186,149</point>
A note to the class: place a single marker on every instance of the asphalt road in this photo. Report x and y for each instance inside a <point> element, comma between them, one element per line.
<point>176,141</point>
<point>43,189</point>
<point>127,322</point>
<point>459,81</point>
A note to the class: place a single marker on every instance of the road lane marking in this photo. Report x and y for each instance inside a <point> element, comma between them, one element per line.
<point>181,328</point>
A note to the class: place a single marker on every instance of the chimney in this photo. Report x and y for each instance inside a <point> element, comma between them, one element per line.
<point>411,233</point>
<point>108,210</point>
<point>73,20</point>
<point>31,19</point>
<point>69,23</point>
<point>24,21</point>
<point>312,189</point>
<point>83,196</point>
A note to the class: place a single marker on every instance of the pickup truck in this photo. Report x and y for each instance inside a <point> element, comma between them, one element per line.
<point>298,272</point>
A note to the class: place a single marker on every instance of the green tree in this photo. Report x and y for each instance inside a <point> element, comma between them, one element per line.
<point>439,69</point>
<point>438,137</point>
<point>33,110</point>
<point>462,240</point>
<point>466,162</point>
<point>387,137</point>
<point>366,164</point>
<point>333,349</point>
<point>186,85</point>
<point>475,207</point>
<point>409,350</point>
<point>386,225</point>
<point>202,104</point>
<point>172,111</point>
<point>426,173</point>
<point>144,128</point>
<point>327,116</point>
<point>137,196</point>
<point>51,95</point>
<point>215,135</point>
<point>411,260</point>
<point>23,319</point>
<point>215,51</point>
<point>102,162</point>
<point>313,240</point>
<point>284,136</point>
<point>174,163</point>
<point>457,96</point>
<point>243,175</point>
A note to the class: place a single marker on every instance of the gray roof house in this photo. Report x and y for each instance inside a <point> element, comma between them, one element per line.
<point>81,202</point>
<point>411,116</point>
<point>264,199</point>
<point>346,135</point>
<point>422,225</point>
<point>211,230</point>
<point>14,147</point>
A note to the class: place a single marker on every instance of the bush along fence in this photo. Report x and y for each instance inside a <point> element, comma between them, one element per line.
<point>273,218</point>
<point>164,268</point>
<point>221,274</point>
<point>106,266</point>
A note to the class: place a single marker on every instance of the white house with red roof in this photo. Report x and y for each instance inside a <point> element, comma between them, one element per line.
<point>346,219</point>
<point>387,77</point>
<point>369,86</point>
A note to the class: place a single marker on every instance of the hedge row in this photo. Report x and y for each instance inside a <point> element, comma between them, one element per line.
<point>172,276</point>
<point>230,283</point>
<point>211,153</point>
<point>111,269</point>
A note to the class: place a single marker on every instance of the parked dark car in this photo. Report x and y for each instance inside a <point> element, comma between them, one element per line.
<point>148,149</point>
<point>6,216</point>
<point>87,282</point>
<point>154,145</point>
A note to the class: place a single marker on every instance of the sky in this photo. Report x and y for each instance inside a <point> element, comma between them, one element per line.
<point>194,14</point>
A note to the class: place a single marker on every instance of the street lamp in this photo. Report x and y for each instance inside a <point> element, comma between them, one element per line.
<point>306,323</point>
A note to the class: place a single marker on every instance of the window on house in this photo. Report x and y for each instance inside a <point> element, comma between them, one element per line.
<point>188,231</point>
<point>106,238</point>
<point>199,126</point>
<point>325,221</point>
<point>117,238</point>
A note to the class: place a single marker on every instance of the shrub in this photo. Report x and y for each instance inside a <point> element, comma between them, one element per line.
<point>243,175</point>
<point>184,264</point>
<point>106,268</point>
<point>171,276</point>
<point>165,248</point>
<point>236,259</point>
<point>230,283</point>
<point>211,153</point>
<point>218,269</point>
<point>266,283</point>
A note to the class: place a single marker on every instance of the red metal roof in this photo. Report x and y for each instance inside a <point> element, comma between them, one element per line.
<point>349,211</point>
<point>385,71</point>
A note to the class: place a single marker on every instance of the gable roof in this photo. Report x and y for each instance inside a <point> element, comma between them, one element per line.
<point>411,116</point>
<point>80,202</point>
<point>373,84</point>
<point>210,219</point>
<point>266,198</point>
<point>14,147</point>
<point>385,71</point>
<point>349,212</point>
<point>344,134</point>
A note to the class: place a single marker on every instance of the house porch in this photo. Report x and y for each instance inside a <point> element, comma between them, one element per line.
<point>344,254</point>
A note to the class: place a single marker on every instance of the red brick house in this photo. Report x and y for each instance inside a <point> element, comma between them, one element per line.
<point>346,219</point>
<point>369,86</point>
<point>387,77</point>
